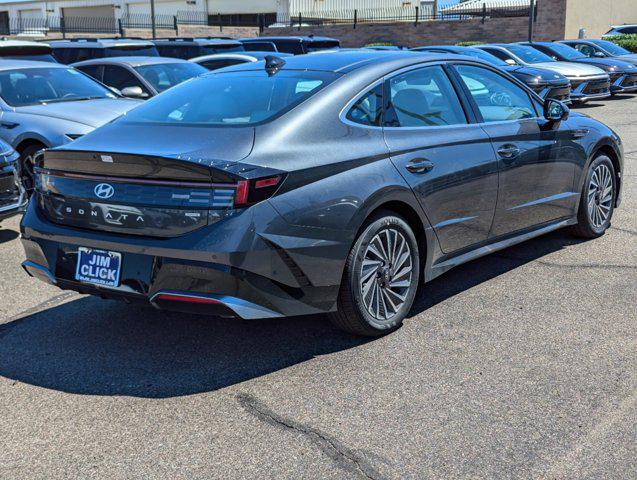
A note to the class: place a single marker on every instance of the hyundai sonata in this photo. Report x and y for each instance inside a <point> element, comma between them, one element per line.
<point>316,184</point>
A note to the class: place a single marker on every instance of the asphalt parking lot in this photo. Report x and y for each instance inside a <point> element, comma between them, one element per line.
<point>518,365</point>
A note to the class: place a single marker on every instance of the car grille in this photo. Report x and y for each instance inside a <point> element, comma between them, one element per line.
<point>133,206</point>
<point>11,196</point>
<point>630,81</point>
<point>596,87</point>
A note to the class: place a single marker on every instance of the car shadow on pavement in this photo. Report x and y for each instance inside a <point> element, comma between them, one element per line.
<point>6,235</point>
<point>97,347</point>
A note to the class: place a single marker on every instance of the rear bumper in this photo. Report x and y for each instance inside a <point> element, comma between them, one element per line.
<point>233,268</point>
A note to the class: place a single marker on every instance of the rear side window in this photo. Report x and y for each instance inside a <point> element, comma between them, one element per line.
<point>627,30</point>
<point>120,78</point>
<point>231,99</point>
<point>368,109</point>
<point>132,51</point>
<point>94,71</point>
<point>259,47</point>
<point>498,98</point>
<point>423,98</point>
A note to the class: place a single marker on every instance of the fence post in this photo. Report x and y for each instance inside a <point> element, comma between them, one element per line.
<point>531,14</point>
<point>484,12</point>
<point>120,27</point>
<point>355,17</point>
<point>62,26</point>
<point>220,22</point>
<point>300,20</point>
<point>416,22</point>
<point>176,24</point>
<point>435,7</point>
<point>260,22</point>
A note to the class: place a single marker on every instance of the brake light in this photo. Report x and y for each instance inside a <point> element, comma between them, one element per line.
<point>256,190</point>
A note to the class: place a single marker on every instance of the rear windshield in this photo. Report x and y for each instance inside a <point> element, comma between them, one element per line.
<point>322,45</point>
<point>132,51</point>
<point>210,49</point>
<point>176,50</point>
<point>39,58</point>
<point>162,76</point>
<point>233,98</point>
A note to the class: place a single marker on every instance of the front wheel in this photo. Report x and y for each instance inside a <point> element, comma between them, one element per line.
<point>381,277</point>
<point>597,201</point>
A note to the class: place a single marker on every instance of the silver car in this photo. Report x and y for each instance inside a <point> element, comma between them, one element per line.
<point>587,82</point>
<point>216,61</point>
<point>48,104</point>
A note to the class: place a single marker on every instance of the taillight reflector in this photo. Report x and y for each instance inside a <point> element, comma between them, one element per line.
<point>267,182</point>
<point>184,298</point>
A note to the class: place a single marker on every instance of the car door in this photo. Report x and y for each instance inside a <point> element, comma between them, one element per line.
<point>535,161</point>
<point>447,160</point>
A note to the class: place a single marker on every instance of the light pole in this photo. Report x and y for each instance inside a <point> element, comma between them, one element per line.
<point>152,18</point>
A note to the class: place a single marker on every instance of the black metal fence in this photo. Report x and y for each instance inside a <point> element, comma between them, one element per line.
<point>444,12</point>
<point>111,25</point>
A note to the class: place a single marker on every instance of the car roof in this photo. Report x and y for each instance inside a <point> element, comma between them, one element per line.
<point>21,43</point>
<point>299,38</point>
<point>10,64</point>
<point>349,61</point>
<point>248,56</point>
<point>451,48</point>
<point>131,61</point>
<point>100,42</point>
<point>196,41</point>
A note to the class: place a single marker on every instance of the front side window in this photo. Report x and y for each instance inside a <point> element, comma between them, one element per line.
<point>230,99</point>
<point>423,98</point>
<point>497,98</point>
<point>120,78</point>
<point>368,109</point>
<point>559,50</point>
<point>611,47</point>
<point>585,49</point>
<point>33,86</point>
<point>165,75</point>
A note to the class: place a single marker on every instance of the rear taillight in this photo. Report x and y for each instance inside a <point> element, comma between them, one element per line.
<point>256,190</point>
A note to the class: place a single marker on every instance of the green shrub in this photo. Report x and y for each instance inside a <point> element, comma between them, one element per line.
<point>629,42</point>
<point>469,43</point>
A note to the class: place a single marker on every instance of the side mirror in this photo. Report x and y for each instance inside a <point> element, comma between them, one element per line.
<point>555,111</point>
<point>510,61</point>
<point>134,92</point>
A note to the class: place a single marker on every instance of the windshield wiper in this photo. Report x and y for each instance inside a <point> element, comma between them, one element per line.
<point>69,99</point>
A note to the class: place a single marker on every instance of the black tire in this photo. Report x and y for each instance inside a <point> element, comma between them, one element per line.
<point>353,315</point>
<point>588,224</point>
<point>26,166</point>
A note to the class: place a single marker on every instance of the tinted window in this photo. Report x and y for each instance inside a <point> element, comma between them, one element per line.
<point>423,98</point>
<point>497,97</point>
<point>627,30</point>
<point>37,58</point>
<point>289,46</point>
<point>132,51</point>
<point>322,45</point>
<point>482,55</point>
<point>498,54</point>
<point>368,109</point>
<point>94,71</point>
<point>259,47</point>
<point>236,98</point>
<point>166,75</point>
<point>179,51</point>
<point>210,49</point>
<point>32,86</point>
<point>120,78</point>
<point>221,63</point>
<point>585,49</point>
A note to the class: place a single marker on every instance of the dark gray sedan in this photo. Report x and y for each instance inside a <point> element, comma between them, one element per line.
<point>316,184</point>
<point>140,77</point>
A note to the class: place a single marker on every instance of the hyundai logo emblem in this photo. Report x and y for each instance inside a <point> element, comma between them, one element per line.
<point>104,191</point>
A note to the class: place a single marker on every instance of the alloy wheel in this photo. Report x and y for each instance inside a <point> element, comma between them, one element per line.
<point>386,274</point>
<point>600,195</point>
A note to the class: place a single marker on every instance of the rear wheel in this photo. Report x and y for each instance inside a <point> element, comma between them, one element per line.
<point>381,277</point>
<point>597,201</point>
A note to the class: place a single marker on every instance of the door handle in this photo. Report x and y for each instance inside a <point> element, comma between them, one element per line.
<point>419,165</point>
<point>508,151</point>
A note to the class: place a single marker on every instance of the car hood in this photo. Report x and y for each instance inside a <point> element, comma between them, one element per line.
<point>93,113</point>
<point>207,145</point>
<point>570,69</point>
<point>630,58</point>
<point>607,63</point>
<point>544,74</point>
